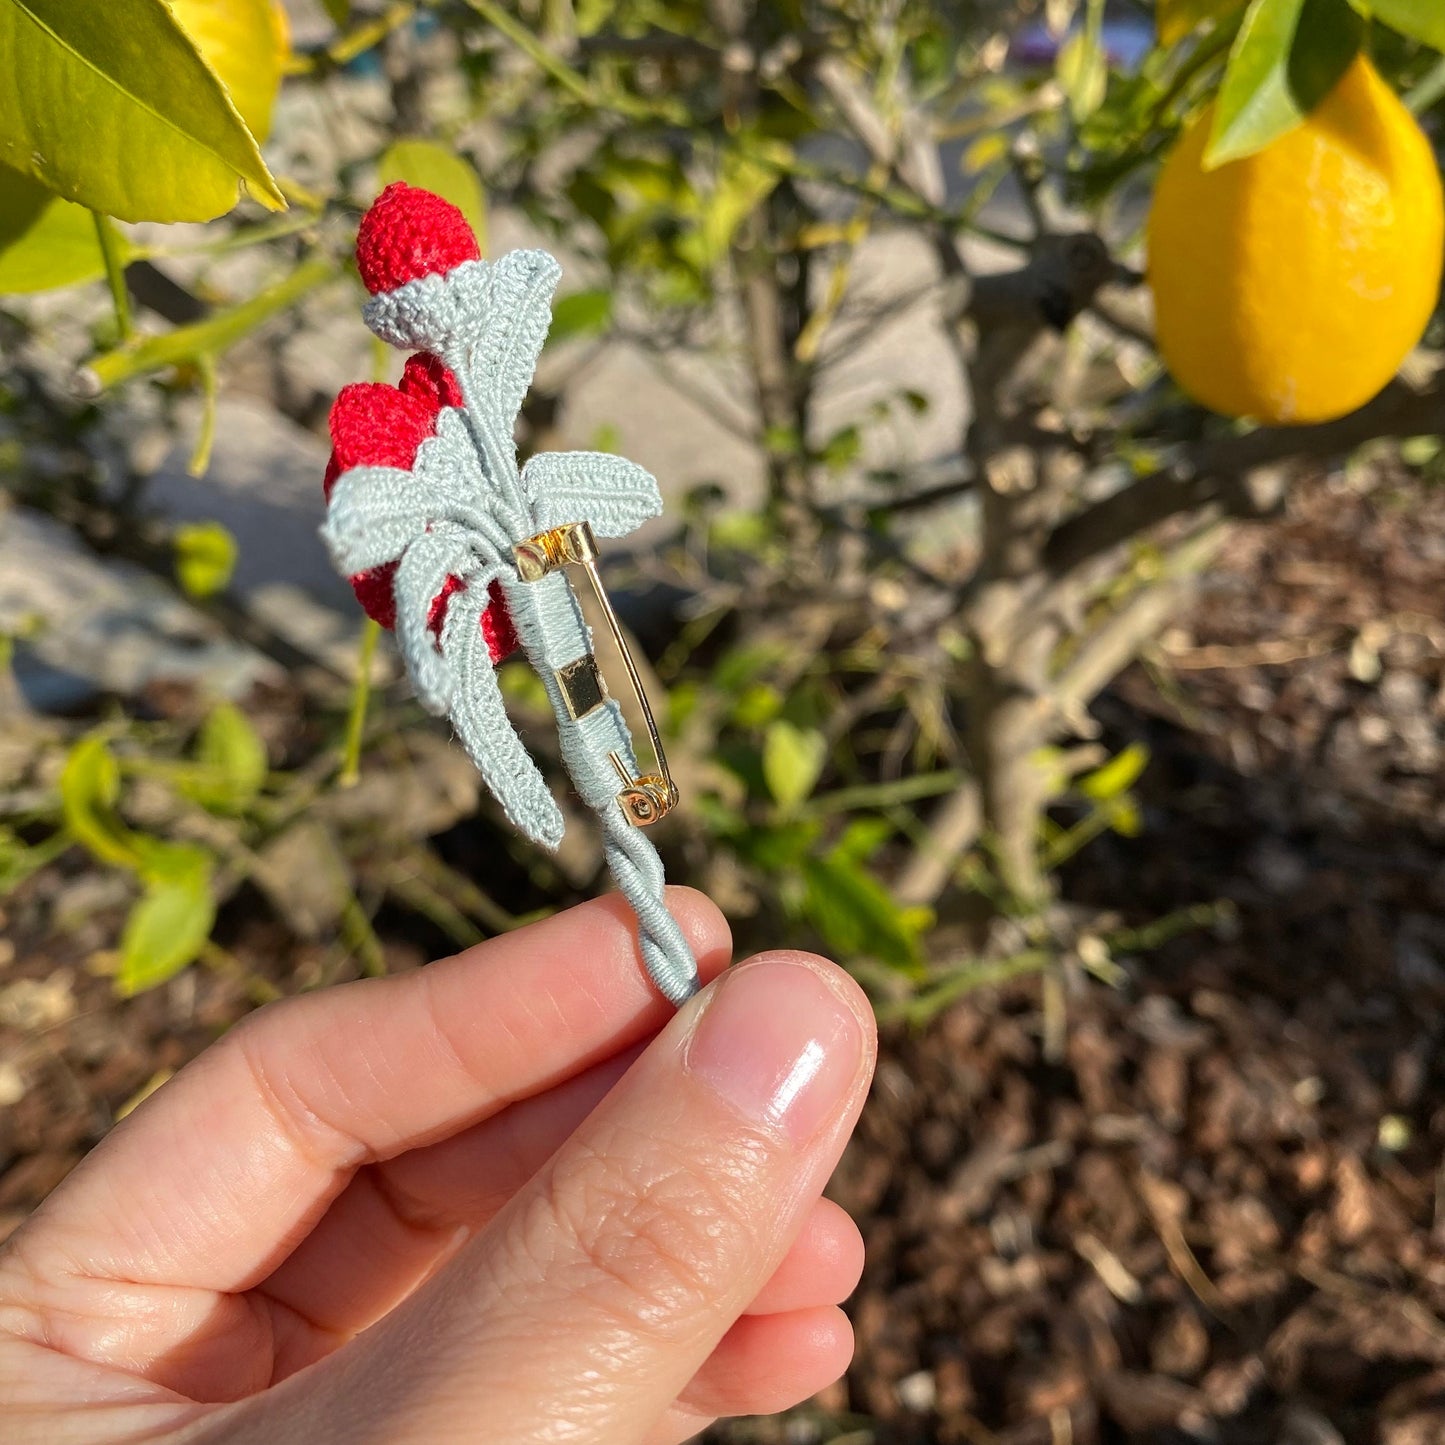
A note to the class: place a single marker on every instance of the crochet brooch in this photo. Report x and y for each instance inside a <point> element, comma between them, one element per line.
<point>445,540</point>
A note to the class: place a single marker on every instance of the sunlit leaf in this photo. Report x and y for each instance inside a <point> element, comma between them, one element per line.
<point>205,558</point>
<point>1125,817</point>
<point>246,43</point>
<point>1083,67</point>
<point>112,106</point>
<point>1287,57</point>
<point>89,791</point>
<point>44,241</point>
<point>1117,776</point>
<point>434,168</point>
<point>793,759</point>
<point>856,915</point>
<point>166,930</point>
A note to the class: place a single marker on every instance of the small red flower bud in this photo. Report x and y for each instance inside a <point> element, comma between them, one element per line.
<point>427,379</point>
<point>409,233</point>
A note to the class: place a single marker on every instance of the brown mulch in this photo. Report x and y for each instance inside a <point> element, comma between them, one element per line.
<point>1218,1214</point>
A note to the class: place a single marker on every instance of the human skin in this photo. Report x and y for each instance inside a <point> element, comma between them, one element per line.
<point>508,1197</point>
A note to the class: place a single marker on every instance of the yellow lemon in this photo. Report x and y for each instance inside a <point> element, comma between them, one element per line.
<point>1288,286</point>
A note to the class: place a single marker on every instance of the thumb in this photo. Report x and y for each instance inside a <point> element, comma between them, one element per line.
<point>587,1305</point>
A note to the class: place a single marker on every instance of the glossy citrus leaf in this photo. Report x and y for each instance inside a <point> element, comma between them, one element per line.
<point>1422,20</point>
<point>44,241</point>
<point>166,930</point>
<point>112,107</point>
<point>246,43</point>
<point>434,168</point>
<point>1287,57</point>
<point>1174,19</point>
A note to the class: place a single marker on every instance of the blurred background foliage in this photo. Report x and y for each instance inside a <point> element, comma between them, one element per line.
<point>878,665</point>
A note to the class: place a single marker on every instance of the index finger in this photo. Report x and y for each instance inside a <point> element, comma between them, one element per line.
<point>217,1176</point>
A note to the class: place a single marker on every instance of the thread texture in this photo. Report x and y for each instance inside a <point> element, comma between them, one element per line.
<point>425,505</point>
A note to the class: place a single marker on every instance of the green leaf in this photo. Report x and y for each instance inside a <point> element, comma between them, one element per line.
<point>793,759</point>
<point>760,703</point>
<point>744,182</point>
<point>338,10</point>
<point>1117,776</point>
<point>89,791</point>
<point>862,838</point>
<point>1422,20</point>
<point>1083,67</point>
<point>842,449</point>
<point>18,859</point>
<point>205,558</point>
<point>583,313</point>
<point>1125,817</point>
<point>856,915</point>
<point>245,42</point>
<point>234,755</point>
<point>112,106</point>
<point>1174,19</point>
<point>166,930</point>
<point>45,242</point>
<point>1287,57</point>
<point>781,848</point>
<point>434,168</point>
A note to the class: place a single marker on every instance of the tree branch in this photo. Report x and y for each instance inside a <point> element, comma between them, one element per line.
<point>1212,471</point>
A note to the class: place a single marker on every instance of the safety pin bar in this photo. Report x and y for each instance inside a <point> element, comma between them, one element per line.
<point>646,797</point>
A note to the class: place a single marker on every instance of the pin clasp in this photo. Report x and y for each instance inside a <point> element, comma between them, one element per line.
<point>647,797</point>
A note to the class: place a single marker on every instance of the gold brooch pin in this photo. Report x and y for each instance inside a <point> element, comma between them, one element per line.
<point>644,797</point>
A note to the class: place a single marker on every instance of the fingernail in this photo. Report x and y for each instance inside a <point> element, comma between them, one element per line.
<point>778,1045</point>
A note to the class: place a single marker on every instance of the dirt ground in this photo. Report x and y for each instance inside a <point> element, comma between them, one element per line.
<point>1217,1212</point>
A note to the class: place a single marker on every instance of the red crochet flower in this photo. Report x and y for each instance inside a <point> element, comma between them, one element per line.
<point>373,424</point>
<point>407,233</point>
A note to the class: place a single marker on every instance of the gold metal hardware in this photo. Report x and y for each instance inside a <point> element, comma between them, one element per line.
<point>583,689</point>
<point>646,797</point>
<point>570,545</point>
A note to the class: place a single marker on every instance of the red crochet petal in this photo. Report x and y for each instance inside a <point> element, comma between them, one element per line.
<point>429,379</point>
<point>376,425</point>
<point>409,233</point>
<point>374,592</point>
<point>497,629</point>
<point>373,424</point>
<point>502,639</point>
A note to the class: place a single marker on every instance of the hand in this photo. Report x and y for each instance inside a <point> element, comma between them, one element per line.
<point>505,1198</point>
